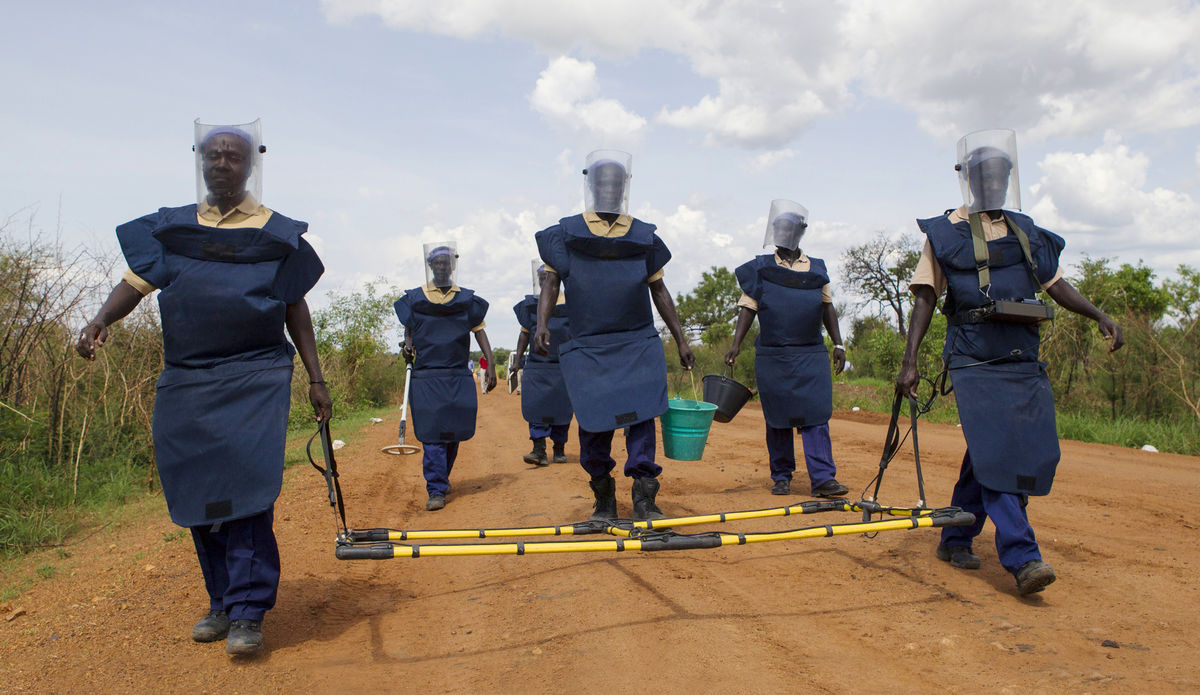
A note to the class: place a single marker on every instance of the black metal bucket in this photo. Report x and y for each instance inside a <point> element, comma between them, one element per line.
<point>728,395</point>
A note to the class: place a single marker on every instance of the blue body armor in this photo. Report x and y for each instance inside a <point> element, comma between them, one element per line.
<point>442,392</point>
<point>544,398</point>
<point>221,410</point>
<point>613,363</point>
<point>791,363</point>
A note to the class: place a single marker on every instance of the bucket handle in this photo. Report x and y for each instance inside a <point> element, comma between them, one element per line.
<point>729,375</point>
<point>679,380</point>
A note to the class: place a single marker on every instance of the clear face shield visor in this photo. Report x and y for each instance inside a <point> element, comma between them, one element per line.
<point>538,272</point>
<point>606,187</point>
<point>228,163</point>
<point>786,225</point>
<point>987,171</point>
<point>441,264</point>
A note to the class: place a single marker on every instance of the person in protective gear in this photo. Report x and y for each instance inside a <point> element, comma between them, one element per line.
<point>232,275</point>
<point>790,294</point>
<point>611,265</point>
<point>545,404</point>
<point>439,318</point>
<point>978,254</point>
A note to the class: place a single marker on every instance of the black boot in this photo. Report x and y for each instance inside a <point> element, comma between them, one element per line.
<point>605,490</point>
<point>644,509</point>
<point>538,456</point>
<point>560,453</point>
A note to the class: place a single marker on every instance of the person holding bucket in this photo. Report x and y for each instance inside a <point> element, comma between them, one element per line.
<point>439,318</point>
<point>991,263</point>
<point>545,404</point>
<point>231,276</point>
<point>611,265</point>
<point>789,292</point>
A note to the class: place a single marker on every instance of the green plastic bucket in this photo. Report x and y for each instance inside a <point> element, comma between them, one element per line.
<point>685,428</point>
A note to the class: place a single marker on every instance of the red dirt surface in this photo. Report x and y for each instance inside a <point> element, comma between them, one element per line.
<point>836,615</point>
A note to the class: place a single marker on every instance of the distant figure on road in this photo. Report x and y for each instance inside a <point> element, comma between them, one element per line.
<point>439,318</point>
<point>545,404</point>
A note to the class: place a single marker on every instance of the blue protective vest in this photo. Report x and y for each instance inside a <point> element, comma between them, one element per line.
<point>613,364</point>
<point>1010,279</point>
<point>791,363</point>
<point>544,397</point>
<point>1006,406</point>
<point>442,392</point>
<point>221,410</point>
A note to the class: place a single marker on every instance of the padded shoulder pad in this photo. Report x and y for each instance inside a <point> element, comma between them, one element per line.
<point>658,257</point>
<point>403,307</point>
<point>552,247</point>
<point>526,311</point>
<point>477,311</point>
<point>298,273</point>
<point>747,277</point>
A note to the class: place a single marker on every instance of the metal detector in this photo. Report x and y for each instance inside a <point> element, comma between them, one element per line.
<point>400,447</point>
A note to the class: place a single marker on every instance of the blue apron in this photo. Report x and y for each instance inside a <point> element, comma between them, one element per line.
<point>221,409</point>
<point>544,396</point>
<point>442,393</point>
<point>1006,406</point>
<point>613,363</point>
<point>791,363</point>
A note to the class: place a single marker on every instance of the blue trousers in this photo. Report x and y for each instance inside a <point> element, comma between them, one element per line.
<point>556,433</point>
<point>436,462</point>
<point>1015,543</point>
<point>818,453</point>
<point>595,450</point>
<point>240,562</point>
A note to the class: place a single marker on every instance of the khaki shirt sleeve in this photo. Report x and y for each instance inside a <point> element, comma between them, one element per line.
<point>655,277</point>
<point>137,283</point>
<point>827,293</point>
<point>748,302</point>
<point>549,269</point>
<point>928,272</point>
<point>1056,278</point>
<point>482,325</point>
<point>523,329</point>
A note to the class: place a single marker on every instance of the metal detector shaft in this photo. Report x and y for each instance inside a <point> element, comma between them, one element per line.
<point>404,403</point>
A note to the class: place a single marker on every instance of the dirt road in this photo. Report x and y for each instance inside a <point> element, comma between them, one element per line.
<point>834,615</point>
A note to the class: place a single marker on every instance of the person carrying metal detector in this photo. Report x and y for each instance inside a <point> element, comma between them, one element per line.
<point>791,295</point>
<point>991,262</point>
<point>439,318</point>
<point>611,265</point>
<point>545,404</point>
<point>232,276</point>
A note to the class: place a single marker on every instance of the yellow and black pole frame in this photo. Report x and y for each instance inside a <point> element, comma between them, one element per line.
<point>381,544</point>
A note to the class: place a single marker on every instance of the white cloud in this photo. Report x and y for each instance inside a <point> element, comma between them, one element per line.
<point>767,160</point>
<point>565,94</point>
<point>1046,69</point>
<point>1100,202</point>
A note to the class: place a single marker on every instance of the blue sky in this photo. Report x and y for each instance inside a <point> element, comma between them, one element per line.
<point>393,123</point>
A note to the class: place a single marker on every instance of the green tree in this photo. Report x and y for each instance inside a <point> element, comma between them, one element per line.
<point>711,308</point>
<point>1179,342</point>
<point>879,271</point>
<point>354,337</point>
